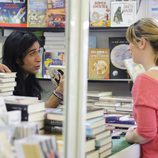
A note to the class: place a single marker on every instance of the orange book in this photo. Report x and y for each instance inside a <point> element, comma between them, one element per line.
<point>98,64</point>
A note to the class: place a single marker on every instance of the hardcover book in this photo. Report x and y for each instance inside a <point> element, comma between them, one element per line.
<point>26,108</point>
<point>13,14</point>
<point>118,53</point>
<point>55,15</point>
<point>123,13</point>
<point>98,64</point>
<point>36,13</point>
<point>99,13</point>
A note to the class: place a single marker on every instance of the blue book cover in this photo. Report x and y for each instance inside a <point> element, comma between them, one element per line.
<point>13,14</point>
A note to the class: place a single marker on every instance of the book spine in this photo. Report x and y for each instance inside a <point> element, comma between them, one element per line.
<point>53,123</point>
<point>53,129</point>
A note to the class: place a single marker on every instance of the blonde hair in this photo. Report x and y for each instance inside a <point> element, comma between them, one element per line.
<point>146,28</point>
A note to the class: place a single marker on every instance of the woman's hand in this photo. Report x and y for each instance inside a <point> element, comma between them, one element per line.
<point>4,68</point>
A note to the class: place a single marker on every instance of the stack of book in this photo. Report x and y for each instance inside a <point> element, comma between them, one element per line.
<point>97,129</point>
<point>94,96</point>
<point>116,104</point>
<point>36,146</point>
<point>119,121</point>
<point>54,50</point>
<point>32,109</point>
<point>7,83</point>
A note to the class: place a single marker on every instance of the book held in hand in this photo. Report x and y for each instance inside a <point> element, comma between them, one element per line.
<point>133,69</point>
<point>56,73</point>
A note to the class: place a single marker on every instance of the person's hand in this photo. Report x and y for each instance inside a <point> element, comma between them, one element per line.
<point>4,68</point>
<point>60,87</point>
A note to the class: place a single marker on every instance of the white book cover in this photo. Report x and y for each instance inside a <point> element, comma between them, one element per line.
<point>8,75</point>
<point>8,84</point>
<point>4,80</point>
<point>6,89</point>
<point>4,94</point>
<point>133,69</point>
<point>99,13</point>
<point>21,100</point>
<point>123,13</point>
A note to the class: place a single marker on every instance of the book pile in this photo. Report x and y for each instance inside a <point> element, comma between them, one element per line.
<point>7,83</point>
<point>115,104</point>
<point>36,146</point>
<point>119,121</point>
<point>98,136</point>
<point>94,96</point>
<point>32,109</point>
<point>54,50</point>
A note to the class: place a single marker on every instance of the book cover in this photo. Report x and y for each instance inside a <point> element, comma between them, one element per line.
<point>13,14</point>
<point>8,75</point>
<point>118,53</point>
<point>123,13</point>
<point>133,69</point>
<point>4,80</point>
<point>52,58</point>
<point>23,100</point>
<point>98,64</point>
<point>95,122</point>
<point>90,145</point>
<point>99,13</point>
<point>57,114</point>
<point>26,108</point>
<point>55,14</point>
<point>56,73</point>
<point>32,117</point>
<point>36,13</point>
<point>8,84</point>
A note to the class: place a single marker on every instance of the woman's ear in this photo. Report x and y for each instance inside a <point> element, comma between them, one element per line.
<point>142,43</point>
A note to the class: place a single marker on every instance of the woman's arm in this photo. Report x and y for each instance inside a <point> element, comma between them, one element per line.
<point>57,96</point>
<point>133,137</point>
<point>4,68</point>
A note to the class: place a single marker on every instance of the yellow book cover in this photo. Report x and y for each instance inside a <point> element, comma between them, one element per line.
<point>98,64</point>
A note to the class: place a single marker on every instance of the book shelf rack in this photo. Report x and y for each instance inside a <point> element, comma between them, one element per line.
<point>47,29</point>
<point>107,29</point>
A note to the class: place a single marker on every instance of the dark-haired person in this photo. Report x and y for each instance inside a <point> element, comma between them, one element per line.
<point>143,43</point>
<point>21,55</point>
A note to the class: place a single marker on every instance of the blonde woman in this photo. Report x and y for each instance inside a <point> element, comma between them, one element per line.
<point>143,43</point>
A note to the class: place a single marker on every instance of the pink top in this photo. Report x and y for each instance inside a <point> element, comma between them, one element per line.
<point>145,97</point>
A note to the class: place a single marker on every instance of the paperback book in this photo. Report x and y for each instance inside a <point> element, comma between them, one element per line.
<point>133,69</point>
<point>99,13</point>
